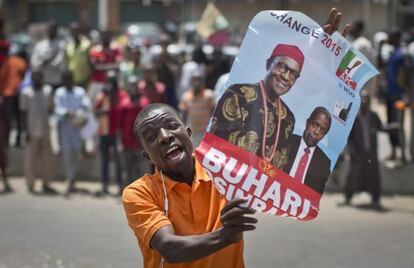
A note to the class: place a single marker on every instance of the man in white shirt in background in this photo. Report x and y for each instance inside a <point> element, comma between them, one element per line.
<point>48,57</point>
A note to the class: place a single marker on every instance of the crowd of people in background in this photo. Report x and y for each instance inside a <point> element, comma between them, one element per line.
<point>85,93</point>
<point>393,54</point>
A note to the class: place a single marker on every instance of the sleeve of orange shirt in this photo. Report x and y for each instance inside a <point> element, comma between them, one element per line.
<point>145,216</point>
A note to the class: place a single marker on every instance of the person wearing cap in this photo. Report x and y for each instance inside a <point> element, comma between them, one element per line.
<point>254,115</point>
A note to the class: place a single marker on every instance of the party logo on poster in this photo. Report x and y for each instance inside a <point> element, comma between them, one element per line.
<point>352,69</point>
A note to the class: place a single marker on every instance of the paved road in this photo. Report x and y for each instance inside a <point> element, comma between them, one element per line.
<point>85,231</point>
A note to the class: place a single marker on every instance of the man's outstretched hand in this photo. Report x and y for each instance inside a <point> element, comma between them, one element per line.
<point>236,221</point>
<point>332,24</point>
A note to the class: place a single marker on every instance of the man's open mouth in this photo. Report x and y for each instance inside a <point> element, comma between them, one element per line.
<point>174,152</point>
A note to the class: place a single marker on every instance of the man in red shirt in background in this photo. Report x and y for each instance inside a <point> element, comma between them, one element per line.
<point>103,57</point>
<point>108,111</point>
<point>135,164</point>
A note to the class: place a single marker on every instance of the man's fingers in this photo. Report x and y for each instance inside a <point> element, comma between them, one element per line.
<point>231,204</point>
<point>333,22</point>
<point>239,221</point>
<point>346,29</point>
<point>331,16</point>
<point>236,212</point>
<point>336,22</point>
<point>327,28</point>
<point>243,228</point>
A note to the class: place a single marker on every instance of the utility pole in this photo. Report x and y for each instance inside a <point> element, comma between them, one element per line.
<point>103,14</point>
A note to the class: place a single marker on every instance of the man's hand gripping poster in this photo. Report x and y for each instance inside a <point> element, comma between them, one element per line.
<point>285,116</point>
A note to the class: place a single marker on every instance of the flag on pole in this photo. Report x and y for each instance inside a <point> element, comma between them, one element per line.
<point>211,21</point>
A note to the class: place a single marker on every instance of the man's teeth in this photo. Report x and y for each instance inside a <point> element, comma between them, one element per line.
<point>172,149</point>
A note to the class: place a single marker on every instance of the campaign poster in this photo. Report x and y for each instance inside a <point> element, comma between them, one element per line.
<point>285,116</point>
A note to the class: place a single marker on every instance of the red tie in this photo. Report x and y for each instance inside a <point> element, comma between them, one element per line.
<point>302,165</point>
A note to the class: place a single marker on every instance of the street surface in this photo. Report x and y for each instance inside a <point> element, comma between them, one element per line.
<point>86,231</point>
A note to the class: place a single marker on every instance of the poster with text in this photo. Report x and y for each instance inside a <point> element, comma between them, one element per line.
<point>285,116</point>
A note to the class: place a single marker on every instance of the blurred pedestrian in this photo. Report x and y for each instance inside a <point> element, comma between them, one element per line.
<point>218,65</point>
<point>220,85</point>
<point>131,66</point>
<point>147,55</point>
<point>108,111</point>
<point>77,56</point>
<point>48,57</point>
<point>197,63</point>
<point>382,52</point>
<point>167,70</point>
<point>197,106</point>
<point>150,87</point>
<point>364,173</point>
<point>12,71</point>
<point>71,108</point>
<point>36,105</point>
<point>104,57</point>
<point>397,74</point>
<point>359,41</point>
<point>135,164</point>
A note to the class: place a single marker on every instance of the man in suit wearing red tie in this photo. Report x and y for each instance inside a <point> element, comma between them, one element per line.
<point>307,162</point>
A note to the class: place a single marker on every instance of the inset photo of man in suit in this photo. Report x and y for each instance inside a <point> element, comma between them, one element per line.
<point>307,162</point>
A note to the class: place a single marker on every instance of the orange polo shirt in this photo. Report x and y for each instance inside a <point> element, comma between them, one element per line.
<point>192,210</point>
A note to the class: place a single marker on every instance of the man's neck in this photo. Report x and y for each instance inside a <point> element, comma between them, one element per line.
<point>186,177</point>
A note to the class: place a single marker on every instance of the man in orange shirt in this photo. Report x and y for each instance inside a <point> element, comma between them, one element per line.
<point>176,213</point>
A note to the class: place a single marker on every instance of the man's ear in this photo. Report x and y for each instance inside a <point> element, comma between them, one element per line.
<point>144,153</point>
<point>189,131</point>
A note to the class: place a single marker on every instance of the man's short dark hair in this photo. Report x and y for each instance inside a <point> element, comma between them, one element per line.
<point>321,110</point>
<point>146,111</point>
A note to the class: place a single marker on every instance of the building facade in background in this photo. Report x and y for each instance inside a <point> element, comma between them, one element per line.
<point>112,14</point>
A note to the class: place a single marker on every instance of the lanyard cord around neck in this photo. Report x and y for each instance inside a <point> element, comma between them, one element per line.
<point>165,194</point>
<point>165,208</point>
